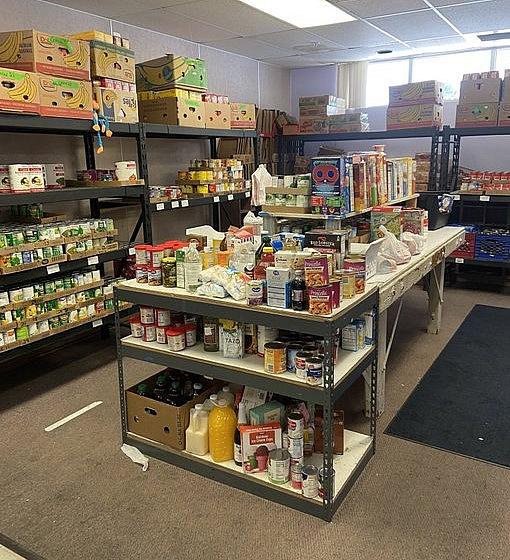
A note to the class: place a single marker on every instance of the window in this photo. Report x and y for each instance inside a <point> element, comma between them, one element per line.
<point>449,69</point>
<point>502,61</point>
<point>381,75</point>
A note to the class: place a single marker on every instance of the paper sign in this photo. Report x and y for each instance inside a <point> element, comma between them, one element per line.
<point>230,197</point>
<point>185,203</point>
<point>484,198</point>
<point>247,195</point>
<point>456,197</point>
<point>53,268</point>
<point>97,323</point>
<point>131,251</point>
<point>175,204</point>
<point>459,260</point>
<point>216,199</point>
<point>93,260</point>
<point>160,206</point>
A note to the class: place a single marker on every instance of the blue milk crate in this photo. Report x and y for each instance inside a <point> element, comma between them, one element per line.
<point>492,246</point>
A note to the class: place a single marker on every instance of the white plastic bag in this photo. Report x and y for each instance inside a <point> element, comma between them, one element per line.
<point>393,249</point>
<point>255,221</point>
<point>212,290</point>
<point>135,455</point>
<point>260,180</point>
<point>385,265</point>
<point>414,242</point>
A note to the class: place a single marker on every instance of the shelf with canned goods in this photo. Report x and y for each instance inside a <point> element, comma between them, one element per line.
<point>68,193</point>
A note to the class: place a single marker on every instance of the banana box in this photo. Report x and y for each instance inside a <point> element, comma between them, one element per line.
<point>19,91</point>
<point>173,111</point>
<point>172,92</point>
<point>171,71</point>
<point>117,105</point>
<point>416,93</point>
<point>62,97</point>
<point>112,61</point>
<point>243,115</point>
<point>477,114</point>
<point>217,115</point>
<point>414,116</point>
<point>33,51</point>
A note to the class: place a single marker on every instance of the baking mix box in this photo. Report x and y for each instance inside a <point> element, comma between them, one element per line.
<point>19,91</point>
<point>256,443</point>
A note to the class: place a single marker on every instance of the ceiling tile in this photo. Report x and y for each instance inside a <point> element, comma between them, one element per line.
<point>165,21</point>
<point>292,61</point>
<point>115,8</point>
<point>295,38</point>
<point>455,2</point>
<point>233,15</point>
<point>414,26</point>
<point>352,34</point>
<point>431,44</point>
<point>250,47</point>
<point>475,18</point>
<point>364,53</point>
<point>368,8</point>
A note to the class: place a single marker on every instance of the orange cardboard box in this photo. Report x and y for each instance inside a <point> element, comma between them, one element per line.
<point>174,111</point>
<point>477,114</point>
<point>243,115</point>
<point>414,116</point>
<point>34,51</point>
<point>112,61</point>
<point>19,91</point>
<point>62,97</point>
<point>217,115</point>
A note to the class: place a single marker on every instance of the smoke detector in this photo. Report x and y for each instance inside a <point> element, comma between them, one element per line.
<point>314,47</point>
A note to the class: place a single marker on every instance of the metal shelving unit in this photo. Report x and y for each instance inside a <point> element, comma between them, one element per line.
<point>337,379</point>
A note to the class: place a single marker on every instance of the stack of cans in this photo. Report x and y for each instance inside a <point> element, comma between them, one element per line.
<point>295,429</point>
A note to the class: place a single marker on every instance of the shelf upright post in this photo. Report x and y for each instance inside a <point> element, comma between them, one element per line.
<point>280,143</point>
<point>327,414</point>
<point>90,163</point>
<point>144,172</point>
<point>373,379</point>
<point>455,159</point>
<point>215,210</point>
<point>445,159</point>
<point>434,160</point>
<point>120,367</point>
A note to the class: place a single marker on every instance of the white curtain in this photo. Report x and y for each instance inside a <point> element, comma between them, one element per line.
<point>352,83</point>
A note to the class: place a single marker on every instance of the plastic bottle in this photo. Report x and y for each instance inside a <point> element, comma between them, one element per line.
<point>236,259</point>
<point>197,434</point>
<point>241,421</point>
<point>222,426</point>
<point>248,254</point>
<point>265,242</point>
<point>227,394</point>
<point>210,402</point>
<point>192,267</point>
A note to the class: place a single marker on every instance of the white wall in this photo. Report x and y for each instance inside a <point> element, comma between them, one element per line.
<point>317,80</point>
<point>243,79</point>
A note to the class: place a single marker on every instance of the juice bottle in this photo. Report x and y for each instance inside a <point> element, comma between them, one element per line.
<point>222,427</point>
<point>197,437</point>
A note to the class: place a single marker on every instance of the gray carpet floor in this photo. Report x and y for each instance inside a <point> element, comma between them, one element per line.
<point>71,493</point>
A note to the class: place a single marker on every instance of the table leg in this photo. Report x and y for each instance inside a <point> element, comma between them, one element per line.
<point>381,365</point>
<point>435,290</point>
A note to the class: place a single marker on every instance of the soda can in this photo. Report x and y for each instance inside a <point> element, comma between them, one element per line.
<point>295,425</point>
<point>310,487</point>
<point>296,447</point>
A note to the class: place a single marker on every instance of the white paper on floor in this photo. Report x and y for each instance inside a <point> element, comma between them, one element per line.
<point>135,455</point>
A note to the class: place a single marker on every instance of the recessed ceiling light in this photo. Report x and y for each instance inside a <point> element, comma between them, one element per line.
<point>385,51</point>
<point>301,13</point>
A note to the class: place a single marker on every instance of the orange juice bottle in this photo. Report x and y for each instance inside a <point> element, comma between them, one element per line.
<point>222,427</point>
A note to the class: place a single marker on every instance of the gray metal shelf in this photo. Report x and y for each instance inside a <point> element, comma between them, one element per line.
<point>199,201</point>
<point>66,194</point>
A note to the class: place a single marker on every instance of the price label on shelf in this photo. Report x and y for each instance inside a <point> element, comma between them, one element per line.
<point>230,197</point>
<point>175,204</point>
<point>97,323</point>
<point>456,197</point>
<point>458,260</point>
<point>185,203</point>
<point>53,268</point>
<point>216,199</point>
<point>93,260</point>
<point>160,206</point>
<point>131,251</point>
<point>484,198</point>
<point>247,195</point>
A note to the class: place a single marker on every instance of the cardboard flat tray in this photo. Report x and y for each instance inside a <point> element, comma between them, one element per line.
<point>93,252</point>
<point>286,209</point>
<point>30,266</point>
<point>48,218</point>
<point>289,190</point>
<point>59,241</point>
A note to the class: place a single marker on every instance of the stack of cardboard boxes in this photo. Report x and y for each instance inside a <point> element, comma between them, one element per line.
<point>484,100</point>
<point>45,74</point>
<point>415,105</point>
<point>422,171</point>
<point>315,110</point>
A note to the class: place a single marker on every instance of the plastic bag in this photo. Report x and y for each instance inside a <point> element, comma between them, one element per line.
<point>392,248</point>
<point>135,455</point>
<point>256,222</point>
<point>212,290</point>
<point>260,180</point>
<point>233,282</point>
<point>414,242</point>
<point>385,265</point>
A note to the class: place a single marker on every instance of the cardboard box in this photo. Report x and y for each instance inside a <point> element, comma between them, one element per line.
<point>313,125</point>
<point>314,100</point>
<point>19,91</point>
<point>172,92</point>
<point>413,220</point>
<point>243,115</point>
<point>417,93</point>
<point>349,122</point>
<point>486,90</point>
<point>217,115</point>
<point>33,51</point>
<point>388,216</point>
<point>170,71</point>
<point>157,420</point>
<point>504,114</point>
<point>112,61</point>
<point>173,110</point>
<point>329,175</point>
<point>256,442</point>
<point>62,97</point>
<point>117,105</point>
<point>93,36</point>
<point>320,111</point>
<point>285,119</point>
<point>477,114</point>
<point>505,91</point>
<point>414,116</point>
<point>290,129</point>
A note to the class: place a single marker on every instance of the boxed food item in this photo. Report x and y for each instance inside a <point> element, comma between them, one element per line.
<point>170,71</point>
<point>62,97</point>
<point>414,220</point>
<point>331,241</point>
<point>278,281</point>
<point>19,91</point>
<point>172,92</point>
<point>320,300</point>
<point>320,111</point>
<point>313,125</point>
<point>116,104</point>
<point>315,100</point>
<point>349,122</point>
<point>266,413</point>
<point>174,111</point>
<point>417,93</point>
<point>329,174</point>
<point>256,443</point>
<point>477,114</point>
<point>484,90</point>
<point>316,271</point>
<point>243,115</point>
<point>34,51</point>
<point>388,216</point>
<point>217,115</point>
<point>112,61</point>
<point>414,116</point>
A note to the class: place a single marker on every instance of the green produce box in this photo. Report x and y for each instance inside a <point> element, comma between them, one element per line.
<point>171,71</point>
<point>388,216</point>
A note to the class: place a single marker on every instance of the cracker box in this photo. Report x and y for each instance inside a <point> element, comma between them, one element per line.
<point>414,116</point>
<point>217,115</point>
<point>173,111</point>
<point>63,97</point>
<point>116,104</point>
<point>417,93</point>
<point>112,61</point>
<point>243,115</point>
<point>388,216</point>
<point>34,51</point>
<point>170,71</point>
<point>256,443</point>
<point>477,114</point>
<point>485,90</point>
<point>19,91</point>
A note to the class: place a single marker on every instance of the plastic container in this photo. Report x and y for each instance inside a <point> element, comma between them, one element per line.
<point>126,170</point>
<point>227,395</point>
<point>439,206</point>
<point>176,339</point>
<point>197,434</point>
<point>222,427</point>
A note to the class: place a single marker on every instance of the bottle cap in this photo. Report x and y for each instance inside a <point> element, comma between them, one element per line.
<point>199,406</point>
<point>222,402</point>
<point>213,397</point>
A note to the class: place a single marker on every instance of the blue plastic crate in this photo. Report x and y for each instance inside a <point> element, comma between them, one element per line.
<point>492,247</point>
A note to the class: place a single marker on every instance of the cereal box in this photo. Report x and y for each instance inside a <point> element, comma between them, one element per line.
<point>316,271</point>
<point>256,443</point>
<point>388,216</point>
<point>413,220</point>
<point>320,300</point>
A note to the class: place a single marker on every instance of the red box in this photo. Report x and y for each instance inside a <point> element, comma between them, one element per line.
<point>467,249</point>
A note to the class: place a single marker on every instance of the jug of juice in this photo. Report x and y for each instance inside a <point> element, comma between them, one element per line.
<point>197,436</point>
<point>222,427</point>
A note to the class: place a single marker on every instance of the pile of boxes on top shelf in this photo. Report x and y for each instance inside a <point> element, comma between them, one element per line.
<point>484,100</point>
<point>327,113</point>
<point>171,90</point>
<point>415,105</point>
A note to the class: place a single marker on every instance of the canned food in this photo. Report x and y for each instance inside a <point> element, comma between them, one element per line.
<point>161,335</point>
<point>169,272</point>
<point>154,276</point>
<point>292,349</point>
<point>136,327</point>
<point>348,284</point>
<point>314,371</point>
<point>310,487</point>
<point>296,475</point>
<point>300,363</point>
<point>324,477</point>
<point>141,274</point>
<point>162,317</point>
<point>275,358</point>
<point>278,469</point>
<point>295,425</point>
<point>147,315</point>
<point>255,292</point>
<point>149,333</point>
<point>296,447</point>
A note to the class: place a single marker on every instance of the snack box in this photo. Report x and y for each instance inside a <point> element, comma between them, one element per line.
<point>174,111</point>
<point>414,116</point>
<point>484,90</point>
<point>63,97</point>
<point>327,241</point>
<point>217,115</point>
<point>256,443</point>
<point>19,92</point>
<point>33,51</point>
<point>170,71</point>
<point>117,105</point>
<point>267,413</point>
<point>429,92</point>
<point>388,216</point>
<point>243,115</point>
<point>477,114</point>
<point>112,61</point>
<point>320,300</point>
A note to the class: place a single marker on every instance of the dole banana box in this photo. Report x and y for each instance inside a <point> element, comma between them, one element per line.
<point>117,105</point>
<point>417,93</point>
<point>414,116</point>
<point>484,90</point>
<point>217,115</point>
<point>170,71</point>
<point>477,114</point>
<point>172,92</point>
<point>173,111</point>
<point>34,51</point>
<point>112,61</point>
<point>19,91</point>
<point>62,97</point>
<point>243,115</point>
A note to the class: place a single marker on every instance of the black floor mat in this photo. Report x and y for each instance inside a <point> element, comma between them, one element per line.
<point>462,404</point>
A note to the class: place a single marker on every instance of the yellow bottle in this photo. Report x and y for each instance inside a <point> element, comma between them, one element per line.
<point>222,427</point>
